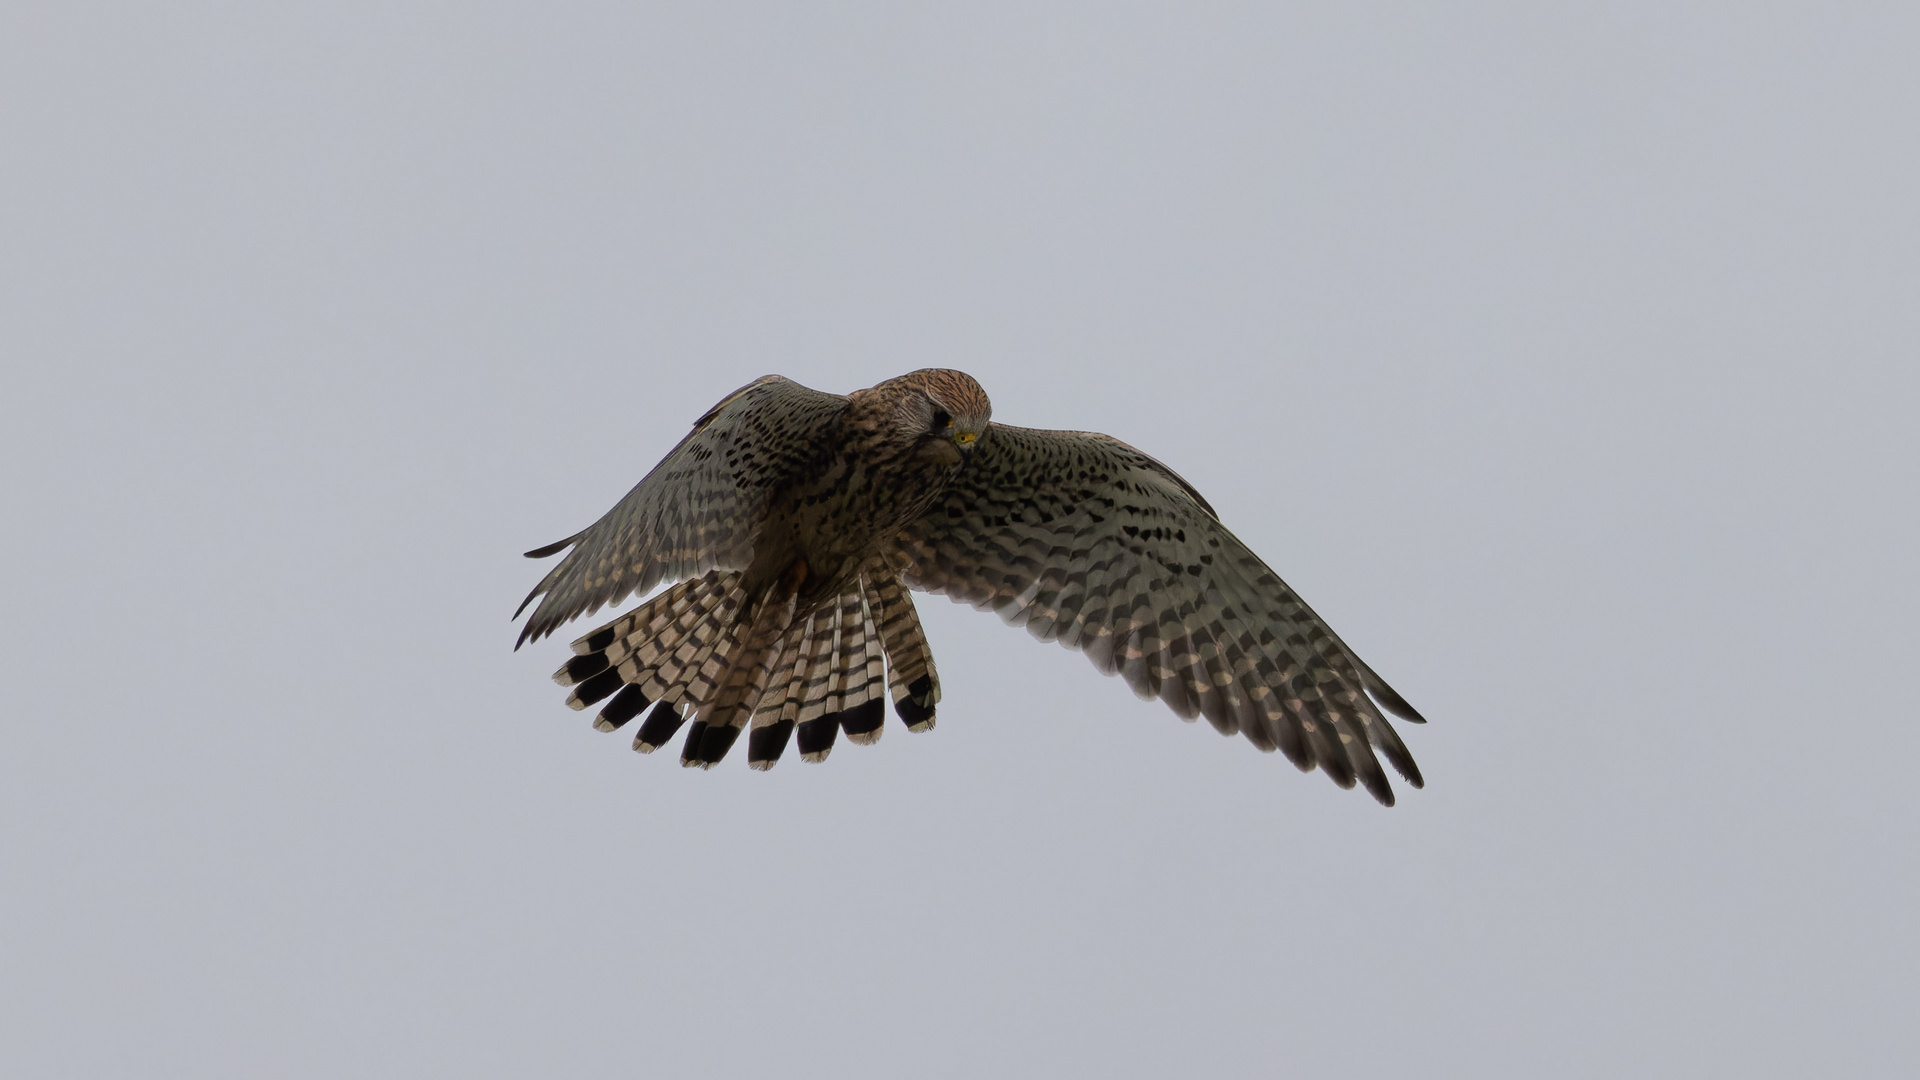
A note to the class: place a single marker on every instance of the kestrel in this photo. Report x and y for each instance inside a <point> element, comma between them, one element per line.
<point>795,521</point>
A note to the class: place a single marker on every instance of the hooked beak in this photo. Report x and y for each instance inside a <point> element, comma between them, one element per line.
<point>966,440</point>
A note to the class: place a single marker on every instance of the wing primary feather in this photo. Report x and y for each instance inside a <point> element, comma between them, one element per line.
<point>1384,694</point>
<point>554,548</point>
<point>697,510</point>
<point>1379,732</point>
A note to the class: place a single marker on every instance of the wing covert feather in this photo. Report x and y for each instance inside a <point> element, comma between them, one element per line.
<point>1084,540</point>
<point>698,509</point>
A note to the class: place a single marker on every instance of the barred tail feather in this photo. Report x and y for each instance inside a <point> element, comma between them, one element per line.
<point>819,720</point>
<point>661,725</point>
<point>863,714</point>
<point>912,681</point>
<point>780,712</point>
<point>749,669</point>
<point>655,652</point>
<point>706,659</point>
<point>654,628</point>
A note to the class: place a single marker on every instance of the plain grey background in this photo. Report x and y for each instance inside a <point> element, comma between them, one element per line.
<point>1563,356</point>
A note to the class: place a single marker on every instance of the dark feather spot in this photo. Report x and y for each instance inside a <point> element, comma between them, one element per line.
<point>864,718</point>
<point>599,686</point>
<point>816,736</point>
<point>661,723</point>
<point>581,667</point>
<point>912,713</point>
<point>690,750</point>
<point>600,641</point>
<point>766,744</point>
<point>716,741</point>
<point>625,706</point>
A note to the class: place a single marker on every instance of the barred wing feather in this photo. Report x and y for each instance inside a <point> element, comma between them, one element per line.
<point>698,510</point>
<point>1084,540</point>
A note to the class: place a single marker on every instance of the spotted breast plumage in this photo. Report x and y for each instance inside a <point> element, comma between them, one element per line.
<point>794,522</point>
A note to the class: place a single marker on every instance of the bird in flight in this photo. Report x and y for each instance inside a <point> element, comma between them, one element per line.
<point>794,522</point>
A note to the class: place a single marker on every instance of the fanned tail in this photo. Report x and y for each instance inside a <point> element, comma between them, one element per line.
<point>659,651</point>
<point>702,651</point>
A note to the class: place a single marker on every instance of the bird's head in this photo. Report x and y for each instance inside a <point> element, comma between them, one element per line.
<point>944,412</point>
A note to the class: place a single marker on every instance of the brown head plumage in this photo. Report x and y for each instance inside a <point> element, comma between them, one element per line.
<point>940,409</point>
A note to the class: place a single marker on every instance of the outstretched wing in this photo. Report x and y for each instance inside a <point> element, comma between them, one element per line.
<point>698,510</point>
<point>1086,541</point>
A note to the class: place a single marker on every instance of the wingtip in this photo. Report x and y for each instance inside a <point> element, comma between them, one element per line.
<point>1376,784</point>
<point>1389,698</point>
<point>535,628</point>
<point>523,607</point>
<point>554,548</point>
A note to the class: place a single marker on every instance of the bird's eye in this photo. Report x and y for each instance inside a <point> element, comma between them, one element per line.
<point>941,419</point>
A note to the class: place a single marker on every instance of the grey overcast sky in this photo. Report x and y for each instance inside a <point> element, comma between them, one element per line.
<point>1562,355</point>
